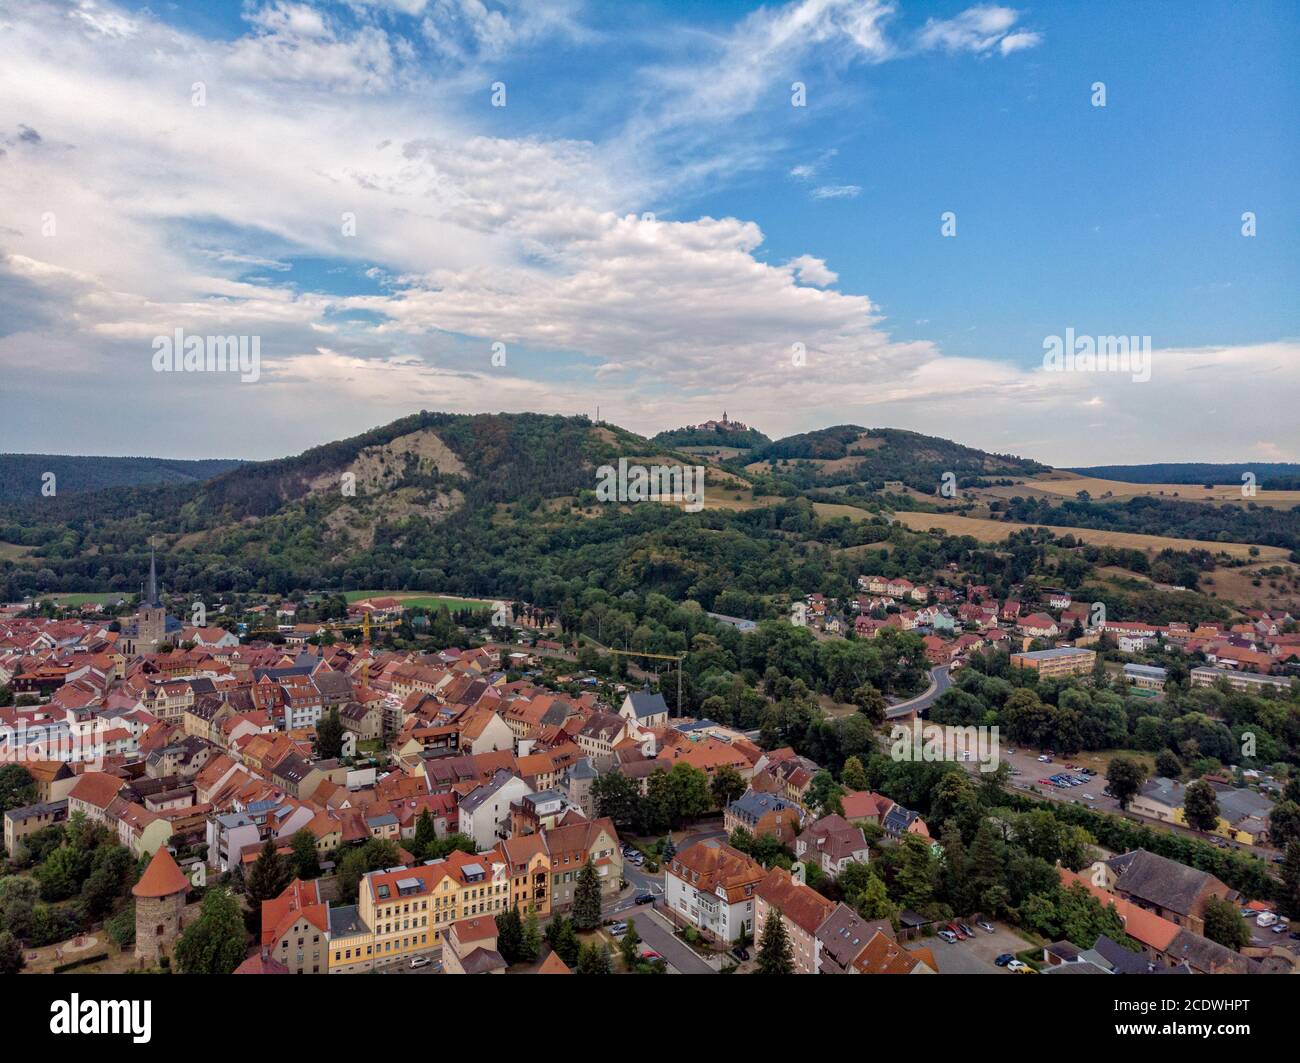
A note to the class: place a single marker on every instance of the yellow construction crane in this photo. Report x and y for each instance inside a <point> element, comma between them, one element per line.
<point>678,657</point>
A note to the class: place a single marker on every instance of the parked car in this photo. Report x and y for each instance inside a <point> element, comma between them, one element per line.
<point>956,929</point>
<point>1090,797</point>
<point>948,936</point>
<point>1280,928</point>
<point>645,898</point>
<point>650,954</point>
<point>965,929</point>
<point>985,925</point>
<point>1016,966</point>
<point>1005,959</point>
<point>420,961</point>
<point>1266,919</point>
<point>1044,759</point>
<point>741,954</point>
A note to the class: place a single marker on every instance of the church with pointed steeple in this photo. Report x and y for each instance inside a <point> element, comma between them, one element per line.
<point>148,630</point>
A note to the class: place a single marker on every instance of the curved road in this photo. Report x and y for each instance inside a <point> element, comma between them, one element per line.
<point>939,682</point>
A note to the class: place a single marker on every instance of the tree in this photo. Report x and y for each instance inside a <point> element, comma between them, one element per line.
<point>726,785</point>
<point>11,954</point>
<point>121,928</point>
<point>426,833</point>
<point>586,898</point>
<point>1201,806</point>
<point>1125,776</point>
<point>617,796</point>
<point>775,953</point>
<point>215,942</point>
<point>563,939</point>
<point>1289,895</point>
<point>870,702</point>
<point>630,946</point>
<point>853,775</point>
<point>1224,924</point>
<point>329,735</point>
<point>269,876</point>
<point>1168,765</point>
<point>530,946</point>
<point>594,959</point>
<point>873,902</point>
<point>306,860</point>
<point>510,935</point>
<point>17,787</point>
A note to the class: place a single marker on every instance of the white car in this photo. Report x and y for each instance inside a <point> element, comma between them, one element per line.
<point>1016,966</point>
<point>420,961</point>
<point>1266,919</point>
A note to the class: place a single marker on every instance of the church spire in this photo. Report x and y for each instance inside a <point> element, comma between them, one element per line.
<point>152,595</point>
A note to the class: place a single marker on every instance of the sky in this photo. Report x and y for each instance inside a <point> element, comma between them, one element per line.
<point>808,213</point>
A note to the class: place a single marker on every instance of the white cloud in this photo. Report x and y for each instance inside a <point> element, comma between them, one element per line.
<point>836,191</point>
<point>977,29</point>
<point>813,271</point>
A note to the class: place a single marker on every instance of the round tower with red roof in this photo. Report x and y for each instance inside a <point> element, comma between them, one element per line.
<point>159,902</point>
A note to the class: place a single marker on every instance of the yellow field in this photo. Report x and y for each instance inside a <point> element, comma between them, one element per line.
<point>12,551</point>
<point>830,510</point>
<point>997,531</point>
<point>1066,485</point>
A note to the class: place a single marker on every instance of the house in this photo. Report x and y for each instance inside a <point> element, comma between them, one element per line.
<point>863,806</point>
<point>408,911</point>
<point>763,813</point>
<point>899,821</point>
<point>645,710</point>
<point>883,954</point>
<point>711,886</point>
<point>1038,626</point>
<point>1243,813</point>
<point>471,948</point>
<point>832,843</point>
<point>19,823</point>
<point>1144,676</point>
<point>295,928</point>
<point>571,845</point>
<point>364,719</point>
<point>784,895</point>
<point>1171,890</point>
<point>484,813</point>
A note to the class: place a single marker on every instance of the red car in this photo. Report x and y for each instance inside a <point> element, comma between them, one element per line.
<point>954,928</point>
<point>1046,782</point>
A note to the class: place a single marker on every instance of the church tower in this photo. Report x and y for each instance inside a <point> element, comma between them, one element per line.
<point>151,620</point>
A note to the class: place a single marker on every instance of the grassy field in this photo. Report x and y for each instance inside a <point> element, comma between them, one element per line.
<point>13,552</point>
<point>996,531</point>
<point>417,600</point>
<point>1067,485</point>
<point>72,600</point>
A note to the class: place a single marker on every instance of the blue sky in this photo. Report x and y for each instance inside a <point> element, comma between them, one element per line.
<point>648,223</point>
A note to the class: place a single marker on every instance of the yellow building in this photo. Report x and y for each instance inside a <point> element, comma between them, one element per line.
<point>408,910</point>
<point>1065,660</point>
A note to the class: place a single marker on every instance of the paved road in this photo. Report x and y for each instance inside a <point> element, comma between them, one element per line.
<point>939,682</point>
<point>657,933</point>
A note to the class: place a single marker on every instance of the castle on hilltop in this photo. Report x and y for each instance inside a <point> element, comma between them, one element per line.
<point>725,425</point>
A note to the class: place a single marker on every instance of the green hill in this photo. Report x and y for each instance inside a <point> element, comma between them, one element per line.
<point>21,475</point>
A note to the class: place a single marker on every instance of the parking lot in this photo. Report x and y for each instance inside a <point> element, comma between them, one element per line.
<point>1030,770</point>
<point>975,955</point>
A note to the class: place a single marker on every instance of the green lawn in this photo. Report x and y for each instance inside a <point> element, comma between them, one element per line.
<point>72,600</point>
<point>416,600</point>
